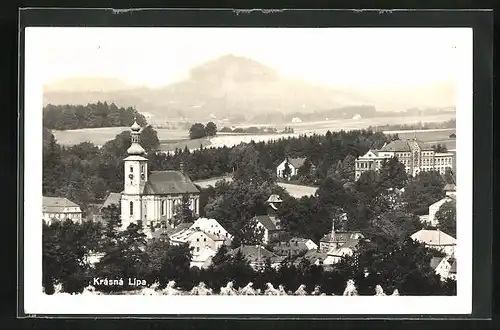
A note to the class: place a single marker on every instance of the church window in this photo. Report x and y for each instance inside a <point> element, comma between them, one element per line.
<point>204,240</point>
<point>131,208</point>
<point>163,207</point>
<point>197,240</point>
<point>131,169</point>
<point>197,249</point>
<point>142,168</point>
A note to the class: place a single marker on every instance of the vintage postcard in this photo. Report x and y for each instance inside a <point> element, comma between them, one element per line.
<point>183,170</point>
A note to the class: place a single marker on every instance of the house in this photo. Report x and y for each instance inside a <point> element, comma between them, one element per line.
<point>294,247</point>
<point>257,256</point>
<point>436,239</point>
<point>347,249</point>
<point>213,227</point>
<point>60,208</point>
<point>415,155</point>
<point>166,232</point>
<point>315,257</point>
<point>434,208</point>
<point>441,266</point>
<point>450,190</point>
<point>293,163</point>
<point>203,259</point>
<point>271,226</point>
<point>339,238</point>
<point>151,197</point>
<point>198,240</point>
<point>453,269</point>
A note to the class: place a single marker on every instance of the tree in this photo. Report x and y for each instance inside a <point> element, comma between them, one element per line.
<point>287,170</point>
<point>149,139</point>
<point>175,265</point>
<point>197,131</point>
<point>183,212</point>
<point>394,225</point>
<point>392,174</point>
<point>447,218</point>
<point>247,232</point>
<point>440,148</point>
<point>211,129</point>
<point>449,176</point>
<point>423,190</point>
<point>248,167</point>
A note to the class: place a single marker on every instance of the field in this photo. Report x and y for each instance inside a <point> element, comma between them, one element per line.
<point>297,191</point>
<point>437,136</point>
<point>171,139</point>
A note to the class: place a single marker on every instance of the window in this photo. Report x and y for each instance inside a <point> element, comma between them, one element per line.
<point>131,169</point>
<point>163,207</point>
<point>197,240</point>
<point>131,206</point>
<point>142,168</point>
<point>197,249</point>
<point>204,239</point>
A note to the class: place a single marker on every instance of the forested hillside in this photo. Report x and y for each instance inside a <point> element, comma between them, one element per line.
<point>64,117</point>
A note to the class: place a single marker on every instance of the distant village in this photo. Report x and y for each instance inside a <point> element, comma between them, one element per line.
<point>149,199</point>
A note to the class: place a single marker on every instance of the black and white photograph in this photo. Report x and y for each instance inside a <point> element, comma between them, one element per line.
<point>319,170</point>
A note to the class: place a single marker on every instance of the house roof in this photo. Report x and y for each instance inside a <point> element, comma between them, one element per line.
<point>433,237</point>
<point>253,252</point>
<point>350,244</point>
<point>435,261</point>
<point>274,199</point>
<point>185,234</point>
<point>57,204</point>
<point>312,256</point>
<point>269,222</point>
<point>169,182</point>
<point>444,200</point>
<point>113,198</point>
<point>296,162</point>
<point>396,145</point>
<point>453,268</point>
<point>342,236</point>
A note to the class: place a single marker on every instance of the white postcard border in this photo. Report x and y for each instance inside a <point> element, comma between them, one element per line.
<point>35,302</point>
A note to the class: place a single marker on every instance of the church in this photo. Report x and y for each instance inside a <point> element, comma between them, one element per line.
<point>149,197</point>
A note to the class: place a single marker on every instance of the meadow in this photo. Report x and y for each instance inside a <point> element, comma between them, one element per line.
<point>295,190</point>
<point>170,139</point>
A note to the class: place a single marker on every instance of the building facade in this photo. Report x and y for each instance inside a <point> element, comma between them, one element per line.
<point>150,197</point>
<point>58,208</point>
<point>293,163</point>
<point>415,155</point>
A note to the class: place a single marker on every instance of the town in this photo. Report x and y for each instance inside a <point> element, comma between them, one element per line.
<point>381,215</point>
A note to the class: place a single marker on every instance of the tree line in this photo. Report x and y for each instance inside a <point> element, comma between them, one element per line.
<point>66,117</point>
<point>452,123</point>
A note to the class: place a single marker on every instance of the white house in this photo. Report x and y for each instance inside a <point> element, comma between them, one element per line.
<point>294,165</point>
<point>271,226</point>
<point>213,227</point>
<point>59,208</point>
<point>434,208</point>
<point>335,255</point>
<point>203,259</point>
<point>436,239</point>
<point>198,240</point>
<point>441,266</point>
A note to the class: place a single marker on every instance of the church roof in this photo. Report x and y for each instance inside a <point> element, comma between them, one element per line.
<point>169,182</point>
<point>113,198</point>
<point>397,145</point>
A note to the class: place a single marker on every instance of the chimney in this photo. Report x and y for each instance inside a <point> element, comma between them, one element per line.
<point>181,167</point>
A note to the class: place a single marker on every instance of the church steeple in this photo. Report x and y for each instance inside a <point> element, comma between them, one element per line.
<point>135,147</point>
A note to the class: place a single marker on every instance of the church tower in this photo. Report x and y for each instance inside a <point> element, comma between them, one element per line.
<point>135,177</point>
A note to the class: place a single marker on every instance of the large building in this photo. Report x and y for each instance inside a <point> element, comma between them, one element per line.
<point>58,208</point>
<point>150,198</point>
<point>415,155</point>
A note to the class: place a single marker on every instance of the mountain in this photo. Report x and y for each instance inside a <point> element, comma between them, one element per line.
<point>227,87</point>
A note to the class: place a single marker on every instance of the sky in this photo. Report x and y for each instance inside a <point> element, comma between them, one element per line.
<point>374,57</point>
